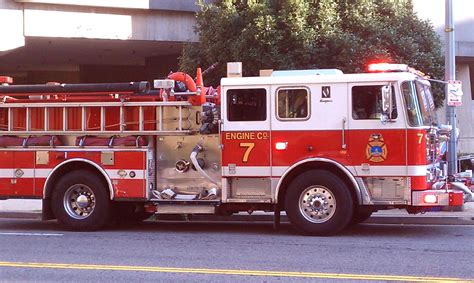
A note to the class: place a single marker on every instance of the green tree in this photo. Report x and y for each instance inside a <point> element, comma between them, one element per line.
<point>298,34</point>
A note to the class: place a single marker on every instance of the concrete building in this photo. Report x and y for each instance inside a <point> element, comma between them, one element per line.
<point>93,40</point>
<point>434,11</point>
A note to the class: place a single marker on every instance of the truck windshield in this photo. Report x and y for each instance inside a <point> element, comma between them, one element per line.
<point>419,103</point>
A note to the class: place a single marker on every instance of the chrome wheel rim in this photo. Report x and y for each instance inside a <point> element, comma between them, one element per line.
<point>317,204</point>
<point>79,201</point>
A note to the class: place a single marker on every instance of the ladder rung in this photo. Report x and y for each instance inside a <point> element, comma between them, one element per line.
<point>122,119</point>
<point>46,119</point>
<point>102,118</point>
<point>180,118</point>
<point>28,119</point>
<point>83,119</point>
<point>160,118</point>
<point>65,117</point>
<point>141,126</point>
<point>10,120</point>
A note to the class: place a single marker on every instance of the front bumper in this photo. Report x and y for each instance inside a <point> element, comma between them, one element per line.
<point>437,198</point>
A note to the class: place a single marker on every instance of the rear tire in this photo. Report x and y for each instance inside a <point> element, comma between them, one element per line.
<point>318,203</point>
<point>81,201</point>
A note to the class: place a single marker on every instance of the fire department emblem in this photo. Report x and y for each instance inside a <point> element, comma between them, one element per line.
<point>376,150</point>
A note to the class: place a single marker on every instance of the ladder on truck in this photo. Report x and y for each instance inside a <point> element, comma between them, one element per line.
<point>104,109</point>
<point>170,118</point>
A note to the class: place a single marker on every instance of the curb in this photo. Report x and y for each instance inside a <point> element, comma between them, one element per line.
<point>386,219</point>
<point>20,214</point>
<point>422,220</point>
<point>401,220</point>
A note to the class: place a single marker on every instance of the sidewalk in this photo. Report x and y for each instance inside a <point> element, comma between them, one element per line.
<point>19,208</point>
<point>398,216</point>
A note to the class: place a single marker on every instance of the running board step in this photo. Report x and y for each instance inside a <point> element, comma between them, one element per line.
<point>185,209</point>
<point>185,202</point>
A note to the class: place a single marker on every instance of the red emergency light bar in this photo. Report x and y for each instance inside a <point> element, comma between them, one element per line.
<point>386,67</point>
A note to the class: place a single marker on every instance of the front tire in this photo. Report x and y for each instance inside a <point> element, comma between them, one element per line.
<point>361,215</point>
<point>81,202</point>
<point>318,203</point>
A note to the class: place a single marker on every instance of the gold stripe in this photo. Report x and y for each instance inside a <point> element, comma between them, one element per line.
<point>233,272</point>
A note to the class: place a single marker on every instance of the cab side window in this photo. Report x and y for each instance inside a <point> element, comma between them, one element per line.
<point>293,104</point>
<point>367,102</point>
<point>247,104</point>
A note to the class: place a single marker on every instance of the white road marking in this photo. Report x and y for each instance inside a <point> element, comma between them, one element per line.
<point>31,234</point>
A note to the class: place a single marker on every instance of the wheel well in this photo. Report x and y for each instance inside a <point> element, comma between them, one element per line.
<point>69,167</point>
<point>315,165</point>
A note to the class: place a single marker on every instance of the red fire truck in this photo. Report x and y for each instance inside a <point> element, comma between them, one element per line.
<point>327,148</point>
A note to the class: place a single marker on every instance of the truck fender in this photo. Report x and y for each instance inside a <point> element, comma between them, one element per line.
<point>80,160</point>
<point>342,168</point>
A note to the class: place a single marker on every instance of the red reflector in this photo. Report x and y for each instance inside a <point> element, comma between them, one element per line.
<point>456,198</point>
<point>6,80</point>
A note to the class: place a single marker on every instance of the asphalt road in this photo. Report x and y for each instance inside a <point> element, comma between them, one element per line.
<point>31,250</point>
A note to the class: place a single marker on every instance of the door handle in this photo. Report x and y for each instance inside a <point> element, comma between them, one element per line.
<point>344,145</point>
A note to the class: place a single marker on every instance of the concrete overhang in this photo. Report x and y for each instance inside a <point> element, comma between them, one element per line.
<point>168,5</point>
<point>103,23</point>
<point>37,35</point>
<point>68,53</point>
<point>11,23</point>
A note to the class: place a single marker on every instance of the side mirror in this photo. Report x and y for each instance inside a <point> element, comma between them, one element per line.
<point>387,102</point>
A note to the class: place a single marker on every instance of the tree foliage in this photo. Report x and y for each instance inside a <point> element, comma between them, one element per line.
<point>299,34</point>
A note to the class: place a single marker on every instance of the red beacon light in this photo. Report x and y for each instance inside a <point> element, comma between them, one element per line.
<point>386,67</point>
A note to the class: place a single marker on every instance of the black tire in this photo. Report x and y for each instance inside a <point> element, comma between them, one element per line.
<point>81,201</point>
<point>360,215</point>
<point>319,203</point>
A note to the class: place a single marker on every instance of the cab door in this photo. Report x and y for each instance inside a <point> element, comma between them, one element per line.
<point>376,148</point>
<point>309,121</point>
<point>245,135</point>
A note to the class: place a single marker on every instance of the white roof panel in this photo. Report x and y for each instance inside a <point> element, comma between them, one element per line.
<point>305,79</point>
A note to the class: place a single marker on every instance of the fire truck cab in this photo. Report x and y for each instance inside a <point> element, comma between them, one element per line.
<point>327,148</point>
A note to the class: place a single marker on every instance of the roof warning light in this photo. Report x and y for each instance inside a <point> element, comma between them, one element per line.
<point>386,67</point>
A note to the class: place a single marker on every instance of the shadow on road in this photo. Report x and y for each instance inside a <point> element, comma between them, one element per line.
<point>236,228</point>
